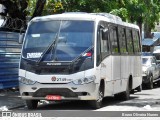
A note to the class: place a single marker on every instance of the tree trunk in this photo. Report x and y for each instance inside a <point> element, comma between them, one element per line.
<point>139,23</point>
<point>17,12</point>
<point>147,31</point>
<point>39,8</point>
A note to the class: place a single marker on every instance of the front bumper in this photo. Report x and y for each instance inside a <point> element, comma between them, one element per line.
<point>68,91</point>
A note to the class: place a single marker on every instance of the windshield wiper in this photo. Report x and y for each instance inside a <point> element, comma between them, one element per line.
<point>47,49</point>
<point>50,46</point>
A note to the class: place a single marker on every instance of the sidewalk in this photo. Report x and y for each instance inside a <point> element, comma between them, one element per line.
<point>10,99</point>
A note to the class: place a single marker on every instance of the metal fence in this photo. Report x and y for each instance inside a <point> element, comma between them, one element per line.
<point>10,24</point>
<point>9,59</point>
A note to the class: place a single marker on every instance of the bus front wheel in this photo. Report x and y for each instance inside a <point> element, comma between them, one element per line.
<point>32,104</point>
<point>96,104</point>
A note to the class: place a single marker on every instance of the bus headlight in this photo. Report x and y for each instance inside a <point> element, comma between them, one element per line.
<point>26,81</point>
<point>85,80</point>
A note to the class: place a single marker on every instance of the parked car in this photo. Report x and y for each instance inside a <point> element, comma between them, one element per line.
<point>147,54</point>
<point>156,53</point>
<point>150,71</point>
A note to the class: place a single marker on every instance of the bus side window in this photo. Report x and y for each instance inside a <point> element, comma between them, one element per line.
<point>136,41</point>
<point>114,40</point>
<point>102,44</point>
<point>122,40</point>
<point>129,41</point>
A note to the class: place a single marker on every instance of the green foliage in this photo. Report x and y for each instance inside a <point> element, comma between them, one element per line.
<point>145,12</point>
<point>52,7</point>
<point>135,11</point>
<point>31,7</point>
<point>140,11</point>
<point>152,12</point>
<point>122,12</point>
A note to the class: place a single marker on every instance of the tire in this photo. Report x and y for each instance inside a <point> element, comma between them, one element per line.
<point>126,94</point>
<point>32,104</point>
<point>132,91</point>
<point>139,88</point>
<point>96,104</point>
<point>118,96</point>
<point>158,83</point>
<point>150,84</point>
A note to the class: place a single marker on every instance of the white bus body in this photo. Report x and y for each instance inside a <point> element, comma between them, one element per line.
<point>104,65</point>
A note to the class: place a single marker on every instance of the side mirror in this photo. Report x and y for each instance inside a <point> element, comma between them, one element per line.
<point>104,33</point>
<point>21,37</point>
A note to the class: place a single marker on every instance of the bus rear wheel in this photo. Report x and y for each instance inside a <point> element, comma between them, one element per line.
<point>126,94</point>
<point>96,104</point>
<point>32,104</point>
<point>139,88</point>
<point>123,95</point>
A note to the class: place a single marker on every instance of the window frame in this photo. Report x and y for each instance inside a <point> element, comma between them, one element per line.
<point>130,30</point>
<point>101,56</point>
<point>136,51</point>
<point>120,27</point>
<point>116,28</point>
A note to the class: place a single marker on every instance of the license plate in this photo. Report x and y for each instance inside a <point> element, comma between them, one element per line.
<point>53,97</point>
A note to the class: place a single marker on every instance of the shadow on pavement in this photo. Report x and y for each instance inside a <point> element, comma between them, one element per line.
<point>79,105</point>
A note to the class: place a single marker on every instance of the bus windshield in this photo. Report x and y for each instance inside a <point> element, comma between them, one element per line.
<point>70,38</point>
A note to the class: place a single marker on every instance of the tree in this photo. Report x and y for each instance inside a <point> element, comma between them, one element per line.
<point>53,7</point>
<point>39,8</point>
<point>136,11</point>
<point>140,12</point>
<point>152,16</point>
<point>17,10</point>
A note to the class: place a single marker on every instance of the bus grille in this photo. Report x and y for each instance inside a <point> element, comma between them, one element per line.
<point>42,92</point>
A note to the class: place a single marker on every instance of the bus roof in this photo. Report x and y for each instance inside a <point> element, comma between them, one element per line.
<point>86,16</point>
